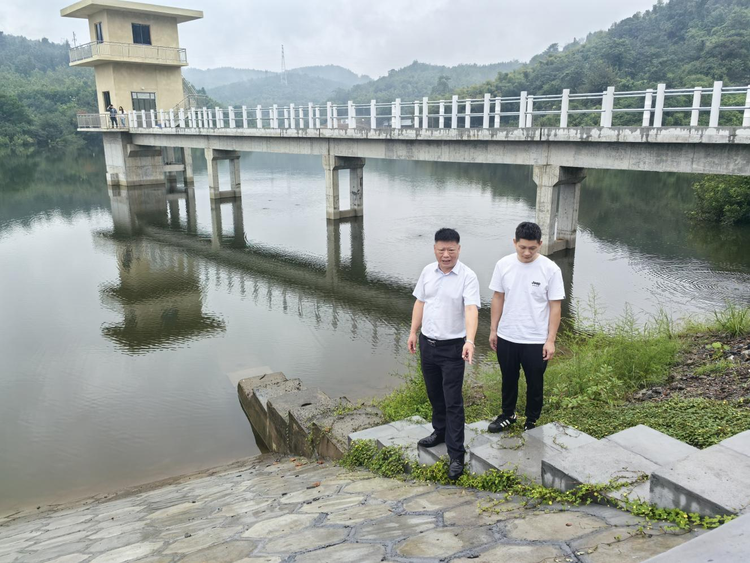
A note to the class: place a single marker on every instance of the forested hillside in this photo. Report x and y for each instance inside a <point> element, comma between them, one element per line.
<point>682,43</point>
<point>420,79</point>
<point>299,88</point>
<point>215,77</point>
<point>304,84</point>
<point>40,94</point>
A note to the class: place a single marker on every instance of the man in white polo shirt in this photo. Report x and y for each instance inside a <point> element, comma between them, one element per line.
<point>526,308</point>
<point>447,309</point>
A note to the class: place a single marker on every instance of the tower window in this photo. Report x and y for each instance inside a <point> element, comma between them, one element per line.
<point>141,34</point>
<point>98,32</point>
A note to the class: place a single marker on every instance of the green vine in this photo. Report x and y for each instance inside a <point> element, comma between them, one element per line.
<point>392,463</point>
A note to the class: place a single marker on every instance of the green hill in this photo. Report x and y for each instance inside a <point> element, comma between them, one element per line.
<point>683,43</point>
<point>215,77</point>
<point>421,79</point>
<point>303,85</point>
<point>299,89</point>
<point>40,94</point>
<point>336,73</point>
<point>331,83</point>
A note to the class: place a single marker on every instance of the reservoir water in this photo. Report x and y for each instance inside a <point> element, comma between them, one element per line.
<point>127,317</point>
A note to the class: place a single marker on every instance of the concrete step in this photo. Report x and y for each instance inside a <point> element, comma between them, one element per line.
<point>740,443</point>
<point>281,421</point>
<point>405,433</point>
<point>331,431</point>
<point>653,445</point>
<point>729,543</point>
<point>254,393</point>
<point>386,430</point>
<point>598,463</point>
<point>525,453</point>
<point>711,481</point>
<point>475,435</point>
<point>406,436</point>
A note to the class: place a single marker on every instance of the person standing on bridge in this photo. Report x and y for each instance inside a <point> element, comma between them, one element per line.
<point>447,310</point>
<point>112,110</point>
<point>525,316</point>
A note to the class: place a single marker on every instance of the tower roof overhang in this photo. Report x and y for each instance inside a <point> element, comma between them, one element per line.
<point>86,8</point>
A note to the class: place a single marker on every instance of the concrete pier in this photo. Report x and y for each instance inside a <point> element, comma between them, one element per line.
<point>187,159</point>
<point>129,164</point>
<point>213,156</point>
<point>558,194</point>
<point>332,164</point>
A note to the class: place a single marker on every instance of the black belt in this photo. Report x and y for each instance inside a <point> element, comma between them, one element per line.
<point>438,343</point>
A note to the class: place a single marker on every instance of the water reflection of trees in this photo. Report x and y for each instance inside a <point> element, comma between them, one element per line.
<point>62,183</point>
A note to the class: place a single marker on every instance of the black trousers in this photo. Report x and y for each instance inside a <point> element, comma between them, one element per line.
<point>443,372</point>
<point>512,356</point>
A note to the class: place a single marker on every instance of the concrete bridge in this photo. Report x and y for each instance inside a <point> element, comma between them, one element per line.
<point>553,133</point>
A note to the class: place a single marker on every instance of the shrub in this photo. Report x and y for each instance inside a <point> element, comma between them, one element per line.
<point>722,199</point>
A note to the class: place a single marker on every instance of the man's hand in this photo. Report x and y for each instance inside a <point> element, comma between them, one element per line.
<point>412,344</point>
<point>468,352</point>
<point>548,351</point>
<point>493,340</point>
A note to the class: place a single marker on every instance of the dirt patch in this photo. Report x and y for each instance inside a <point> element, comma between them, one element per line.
<point>711,367</point>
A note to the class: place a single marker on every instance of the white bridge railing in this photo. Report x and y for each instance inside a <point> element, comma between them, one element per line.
<point>728,105</point>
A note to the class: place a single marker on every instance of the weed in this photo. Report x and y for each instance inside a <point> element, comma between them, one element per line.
<point>715,368</point>
<point>391,462</point>
<point>733,320</point>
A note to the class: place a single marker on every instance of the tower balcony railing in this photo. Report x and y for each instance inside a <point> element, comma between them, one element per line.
<point>109,51</point>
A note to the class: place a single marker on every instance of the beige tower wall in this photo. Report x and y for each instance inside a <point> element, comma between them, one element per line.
<point>117,28</point>
<point>120,79</point>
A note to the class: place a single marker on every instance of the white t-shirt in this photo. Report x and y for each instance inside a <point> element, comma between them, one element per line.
<point>445,296</point>
<point>528,289</point>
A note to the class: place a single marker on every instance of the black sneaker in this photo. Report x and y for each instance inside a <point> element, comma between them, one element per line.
<point>432,440</point>
<point>455,469</point>
<point>530,425</point>
<point>502,422</point>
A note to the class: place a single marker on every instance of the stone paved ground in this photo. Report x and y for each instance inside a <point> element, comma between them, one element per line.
<point>274,510</point>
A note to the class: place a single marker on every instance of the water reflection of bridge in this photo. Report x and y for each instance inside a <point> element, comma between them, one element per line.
<point>336,291</point>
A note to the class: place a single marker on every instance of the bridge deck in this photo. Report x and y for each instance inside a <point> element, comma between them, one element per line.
<point>700,150</point>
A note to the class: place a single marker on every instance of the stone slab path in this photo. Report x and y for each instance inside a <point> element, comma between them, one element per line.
<point>286,510</point>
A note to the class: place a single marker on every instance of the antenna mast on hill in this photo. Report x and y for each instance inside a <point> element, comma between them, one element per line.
<point>283,67</point>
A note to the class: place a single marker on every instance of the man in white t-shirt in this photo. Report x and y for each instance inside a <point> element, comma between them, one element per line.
<point>526,308</point>
<point>447,310</point>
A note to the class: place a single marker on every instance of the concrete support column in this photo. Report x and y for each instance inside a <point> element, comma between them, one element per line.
<point>557,197</point>
<point>332,164</point>
<point>170,162</point>
<point>129,164</point>
<point>356,177</point>
<point>187,159</point>
<point>213,156</point>
<point>234,175</point>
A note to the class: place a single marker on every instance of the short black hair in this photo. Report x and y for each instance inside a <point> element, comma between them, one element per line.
<point>528,231</point>
<point>447,235</point>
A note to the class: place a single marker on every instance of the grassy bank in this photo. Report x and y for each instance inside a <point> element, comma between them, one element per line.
<point>598,369</point>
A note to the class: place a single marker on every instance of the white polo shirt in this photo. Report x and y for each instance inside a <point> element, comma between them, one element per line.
<point>528,289</point>
<point>445,296</point>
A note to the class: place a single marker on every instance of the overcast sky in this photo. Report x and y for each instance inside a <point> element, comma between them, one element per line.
<point>366,36</point>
